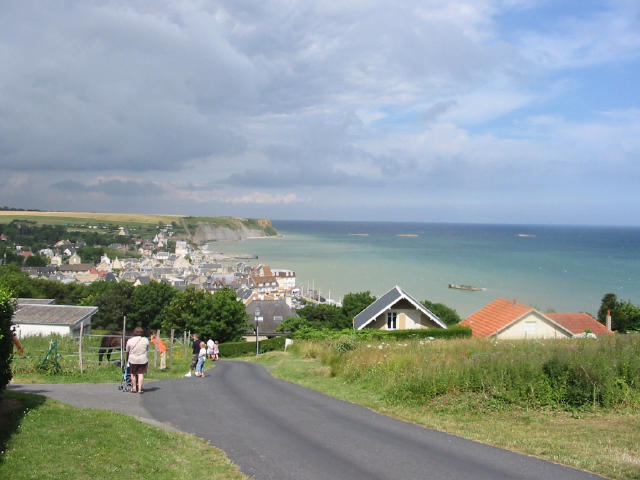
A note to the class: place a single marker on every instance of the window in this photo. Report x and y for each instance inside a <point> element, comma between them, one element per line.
<point>391,320</point>
<point>530,327</point>
<point>277,318</point>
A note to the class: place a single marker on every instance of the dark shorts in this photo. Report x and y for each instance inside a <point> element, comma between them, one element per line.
<point>139,368</point>
<point>194,361</point>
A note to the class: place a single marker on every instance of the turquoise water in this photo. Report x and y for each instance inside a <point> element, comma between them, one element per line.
<point>552,267</point>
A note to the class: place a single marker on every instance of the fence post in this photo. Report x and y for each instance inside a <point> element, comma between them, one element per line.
<point>80,346</point>
<point>184,343</point>
<point>155,349</point>
<point>124,328</point>
<point>171,347</point>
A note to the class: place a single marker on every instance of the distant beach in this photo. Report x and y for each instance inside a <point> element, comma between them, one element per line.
<point>549,267</point>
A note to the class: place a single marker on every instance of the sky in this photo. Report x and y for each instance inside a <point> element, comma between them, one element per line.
<point>488,111</point>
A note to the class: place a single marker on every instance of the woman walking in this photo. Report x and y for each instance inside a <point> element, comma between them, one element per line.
<point>137,348</point>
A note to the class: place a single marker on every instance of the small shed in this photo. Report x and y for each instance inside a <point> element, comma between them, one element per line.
<point>44,319</point>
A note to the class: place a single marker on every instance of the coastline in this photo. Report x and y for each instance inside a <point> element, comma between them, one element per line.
<point>562,268</point>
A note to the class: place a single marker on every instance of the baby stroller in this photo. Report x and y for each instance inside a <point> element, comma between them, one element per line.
<point>125,384</point>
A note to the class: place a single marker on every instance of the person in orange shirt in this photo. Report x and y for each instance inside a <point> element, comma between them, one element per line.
<point>162,350</point>
<point>17,344</point>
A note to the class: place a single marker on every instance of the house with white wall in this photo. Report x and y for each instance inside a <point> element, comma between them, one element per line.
<point>397,310</point>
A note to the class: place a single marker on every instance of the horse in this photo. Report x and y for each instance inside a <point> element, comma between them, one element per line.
<point>113,341</point>
<point>109,342</point>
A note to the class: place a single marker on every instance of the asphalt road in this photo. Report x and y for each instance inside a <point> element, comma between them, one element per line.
<point>274,429</point>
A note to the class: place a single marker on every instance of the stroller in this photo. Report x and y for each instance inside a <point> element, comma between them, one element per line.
<point>125,384</point>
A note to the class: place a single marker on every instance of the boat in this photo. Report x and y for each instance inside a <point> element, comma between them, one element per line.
<point>526,235</point>
<point>358,234</point>
<point>470,288</point>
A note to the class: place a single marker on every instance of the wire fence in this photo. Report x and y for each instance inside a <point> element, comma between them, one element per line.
<point>76,352</point>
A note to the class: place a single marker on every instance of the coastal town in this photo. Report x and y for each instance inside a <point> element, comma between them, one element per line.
<point>179,263</point>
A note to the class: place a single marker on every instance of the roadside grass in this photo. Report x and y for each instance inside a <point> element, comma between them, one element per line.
<point>27,369</point>
<point>600,440</point>
<point>48,439</point>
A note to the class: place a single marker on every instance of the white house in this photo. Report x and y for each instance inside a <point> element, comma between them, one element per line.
<point>397,310</point>
<point>39,319</point>
<point>507,319</point>
<point>286,279</point>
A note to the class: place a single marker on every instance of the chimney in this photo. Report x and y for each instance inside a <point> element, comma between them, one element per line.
<point>608,320</point>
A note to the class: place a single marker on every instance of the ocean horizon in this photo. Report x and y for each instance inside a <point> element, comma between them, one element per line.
<point>550,267</point>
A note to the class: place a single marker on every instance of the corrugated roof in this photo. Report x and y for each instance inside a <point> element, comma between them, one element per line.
<point>52,314</point>
<point>386,301</point>
<point>495,316</point>
<point>577,323</point>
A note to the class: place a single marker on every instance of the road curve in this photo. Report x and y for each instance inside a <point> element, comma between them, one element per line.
<point>276,430</point>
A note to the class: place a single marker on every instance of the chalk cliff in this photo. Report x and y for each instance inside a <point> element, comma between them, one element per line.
<point>230,229</point>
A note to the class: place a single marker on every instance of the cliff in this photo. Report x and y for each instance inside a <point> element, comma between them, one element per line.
<point>202,230</point>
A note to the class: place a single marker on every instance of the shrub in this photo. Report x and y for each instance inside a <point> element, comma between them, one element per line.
<point>239,349</point>
<point>345,343</point>
<point>6,337</point>
<point>456,331</point>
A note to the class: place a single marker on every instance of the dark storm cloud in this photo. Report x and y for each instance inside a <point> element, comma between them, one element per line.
<point>105,87</point>
<point>115,187</point>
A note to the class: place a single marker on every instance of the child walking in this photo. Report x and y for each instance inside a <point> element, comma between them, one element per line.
<point>216,350</point>
<point>202,355</point>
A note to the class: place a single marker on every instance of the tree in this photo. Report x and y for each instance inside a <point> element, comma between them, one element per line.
<point>625,316</point>
<point>447,314</point>
<point>113,304</point>
<point>230,316</point>
<point>35,261</point>
<point>221,315</point>
<point>6,336</point>
<point>15,280</point>
<point>292,324</point>
<point>609,303</point>
<point>354,303</point>
<point>325,316</point>
<point>147,303</point>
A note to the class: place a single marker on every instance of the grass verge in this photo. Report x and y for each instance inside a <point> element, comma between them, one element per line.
<point>44,438</point>
<point>597,440</point>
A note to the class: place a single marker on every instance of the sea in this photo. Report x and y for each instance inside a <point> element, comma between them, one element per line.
<point>549,267</point>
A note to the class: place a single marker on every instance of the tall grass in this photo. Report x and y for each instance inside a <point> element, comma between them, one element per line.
<point>558,373</point>
<point>30,367</point>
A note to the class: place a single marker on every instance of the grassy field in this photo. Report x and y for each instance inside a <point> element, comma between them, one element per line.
<point>43,438</point>
<point>593,438</point>
<point>27,369</point>
<point>57,218</point>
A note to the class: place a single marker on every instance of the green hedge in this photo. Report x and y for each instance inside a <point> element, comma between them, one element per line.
<point>239,349</point>
<point>6,337</point>
<point>455,331</point>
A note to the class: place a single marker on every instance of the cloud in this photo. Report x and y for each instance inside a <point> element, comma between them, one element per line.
<point>235,104</point>
<point>607,36</point>
<point>111,187</point>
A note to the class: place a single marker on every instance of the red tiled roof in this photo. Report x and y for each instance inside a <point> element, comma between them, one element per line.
<point>495,316</point>
<point>578,322</point>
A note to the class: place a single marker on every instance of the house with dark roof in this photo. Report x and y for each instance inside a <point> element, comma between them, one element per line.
<point>272,312</point>
<point>45,319</point>
<point>508,319</point>
<point>397,310</point>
